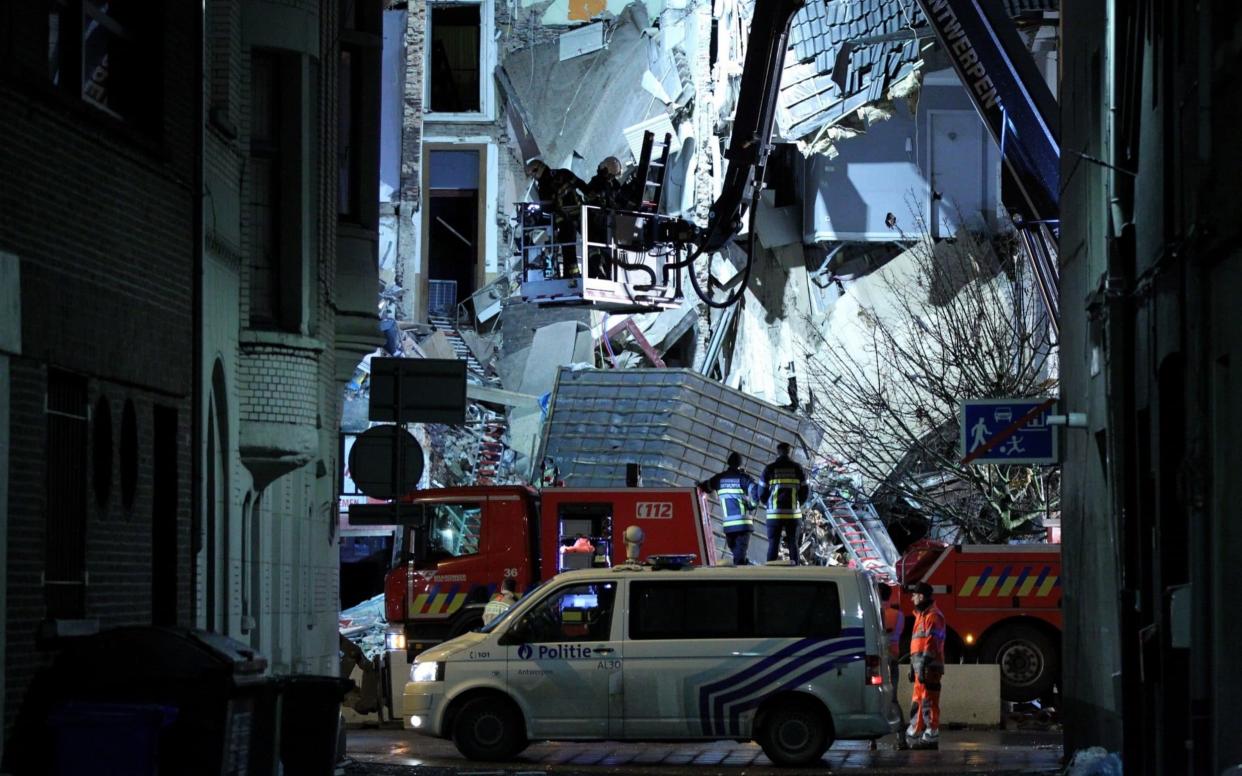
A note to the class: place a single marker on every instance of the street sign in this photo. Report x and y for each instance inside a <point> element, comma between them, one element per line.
<point>372,466</point>
<point>431,390</point>
<point>1000,431</point>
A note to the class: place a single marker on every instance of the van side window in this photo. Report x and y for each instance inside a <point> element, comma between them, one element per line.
<point>685,610</point>
<point>574,613</point>
<point>797,609</point>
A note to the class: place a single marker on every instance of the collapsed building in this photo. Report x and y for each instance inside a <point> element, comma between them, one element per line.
<point>878,149</point>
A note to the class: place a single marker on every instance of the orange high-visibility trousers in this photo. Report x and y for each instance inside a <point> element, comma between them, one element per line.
<point>925,703</point>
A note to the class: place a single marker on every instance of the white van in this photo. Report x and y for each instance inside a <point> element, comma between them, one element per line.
<point>788,656</point>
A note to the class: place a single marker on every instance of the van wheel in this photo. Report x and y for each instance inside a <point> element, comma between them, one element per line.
<point>1028,660</point>
<point>795,734</point>
<point>489,728</point>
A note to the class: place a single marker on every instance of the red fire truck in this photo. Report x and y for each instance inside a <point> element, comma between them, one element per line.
<point>1002,603</point>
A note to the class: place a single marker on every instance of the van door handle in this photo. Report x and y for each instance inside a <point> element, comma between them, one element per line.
<point>605,650</point>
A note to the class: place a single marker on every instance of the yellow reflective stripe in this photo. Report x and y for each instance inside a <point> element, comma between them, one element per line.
<point>456,603</point>
<point>1007,588</point>
<point>785,481</point>
<point>986,590</point>
<point>784,515</point>
<point>437,603</point>
<point>1046,587</point>
<point>969,587</point>
<point>420,601</point>
<point>1027,585</point>
<point>731,492</point>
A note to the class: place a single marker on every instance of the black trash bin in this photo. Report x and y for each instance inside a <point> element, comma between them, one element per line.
<point>309,722</point>
<point>221,704</point>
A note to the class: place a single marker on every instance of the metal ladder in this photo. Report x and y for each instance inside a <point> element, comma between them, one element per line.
<point>653,168</point>
<point>870,552</point>
<point>443,324</point>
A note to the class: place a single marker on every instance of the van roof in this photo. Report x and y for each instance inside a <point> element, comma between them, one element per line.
<point>715,572</point>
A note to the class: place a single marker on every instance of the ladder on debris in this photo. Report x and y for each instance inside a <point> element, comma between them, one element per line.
<point>444,325</point>
<point>865,539</point>
<point>652,171</point>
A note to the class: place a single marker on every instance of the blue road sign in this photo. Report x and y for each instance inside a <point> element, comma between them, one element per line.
<point>1000,431</point>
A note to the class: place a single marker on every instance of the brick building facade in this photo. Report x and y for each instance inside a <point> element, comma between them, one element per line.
<point>98,225</point>
<point>194,278</point>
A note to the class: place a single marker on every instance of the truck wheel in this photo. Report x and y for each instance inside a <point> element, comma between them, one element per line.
<point>489,728</point>
<point>795,734</point>
<point>1028,660</point>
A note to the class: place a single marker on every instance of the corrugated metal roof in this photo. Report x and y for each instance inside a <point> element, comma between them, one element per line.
<point>679,425</point>
<point>845,53</point>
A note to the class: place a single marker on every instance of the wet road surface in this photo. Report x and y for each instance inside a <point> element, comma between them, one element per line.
<point>379,752</point>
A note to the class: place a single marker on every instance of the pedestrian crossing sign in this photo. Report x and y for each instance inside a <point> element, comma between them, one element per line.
<point>1001,431</point>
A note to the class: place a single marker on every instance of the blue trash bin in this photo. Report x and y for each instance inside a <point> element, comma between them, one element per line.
<point>108,739</point>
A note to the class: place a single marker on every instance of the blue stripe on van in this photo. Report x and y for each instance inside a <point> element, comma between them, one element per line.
<point>838,650</point>
<point>735,724</point>
<point>766,671</point>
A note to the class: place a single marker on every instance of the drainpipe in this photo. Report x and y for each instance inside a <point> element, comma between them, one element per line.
<point>196,368</point>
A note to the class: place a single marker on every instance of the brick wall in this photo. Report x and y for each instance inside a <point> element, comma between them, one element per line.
<point>101,215</point>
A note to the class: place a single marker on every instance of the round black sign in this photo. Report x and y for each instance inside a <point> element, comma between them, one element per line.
<point>371,462</point>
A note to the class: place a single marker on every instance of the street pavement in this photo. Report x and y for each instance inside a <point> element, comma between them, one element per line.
<point>381,752</point>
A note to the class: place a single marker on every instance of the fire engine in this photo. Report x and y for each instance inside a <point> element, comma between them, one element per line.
<point>459,544</point>
<point>1002,602</point>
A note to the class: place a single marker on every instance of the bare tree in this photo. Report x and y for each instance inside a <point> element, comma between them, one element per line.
<point>940,323</point>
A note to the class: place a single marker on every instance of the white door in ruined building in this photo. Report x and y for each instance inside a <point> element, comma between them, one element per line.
<point>960,170</point>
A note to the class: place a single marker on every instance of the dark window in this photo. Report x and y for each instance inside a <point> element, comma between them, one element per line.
<point>164,509</point>
<point>65,545</point>
<point>101,452</point>
<point>104,51</point>
<point>686,610</point>
<point>574,613</point>
<point>797,609</point>
<point>129,455</point>
<point>361,41</point>
<point>275,190</point>
<point>455,50</point>
<point>676,609</point>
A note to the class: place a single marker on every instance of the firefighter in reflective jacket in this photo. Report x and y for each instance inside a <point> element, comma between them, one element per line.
<point>736,491</point>
<point>926,669</point>
<point>783,490</point>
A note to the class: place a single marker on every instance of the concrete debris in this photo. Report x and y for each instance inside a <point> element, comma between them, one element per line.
<point>777,226</point>
<point>365,625</point>
<point>557,344</point>
<point>436,345</point>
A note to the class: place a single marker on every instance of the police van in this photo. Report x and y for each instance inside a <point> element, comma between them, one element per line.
<point>790,656</point>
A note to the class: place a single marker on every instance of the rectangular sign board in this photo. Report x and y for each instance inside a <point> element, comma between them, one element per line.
<point>993,431</point>
<point>433,390</point>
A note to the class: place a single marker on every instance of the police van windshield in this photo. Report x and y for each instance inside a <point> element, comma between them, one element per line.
<point>504,616</point>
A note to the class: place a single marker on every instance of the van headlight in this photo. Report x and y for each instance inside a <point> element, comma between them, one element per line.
<point>427,672</point>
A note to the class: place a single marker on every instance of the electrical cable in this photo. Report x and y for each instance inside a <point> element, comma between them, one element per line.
<point>736,296</point>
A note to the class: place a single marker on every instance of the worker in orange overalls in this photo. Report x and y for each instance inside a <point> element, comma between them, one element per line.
<point>926,669</point>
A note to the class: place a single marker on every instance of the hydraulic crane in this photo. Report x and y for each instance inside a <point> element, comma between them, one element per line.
<point>639,243</point>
